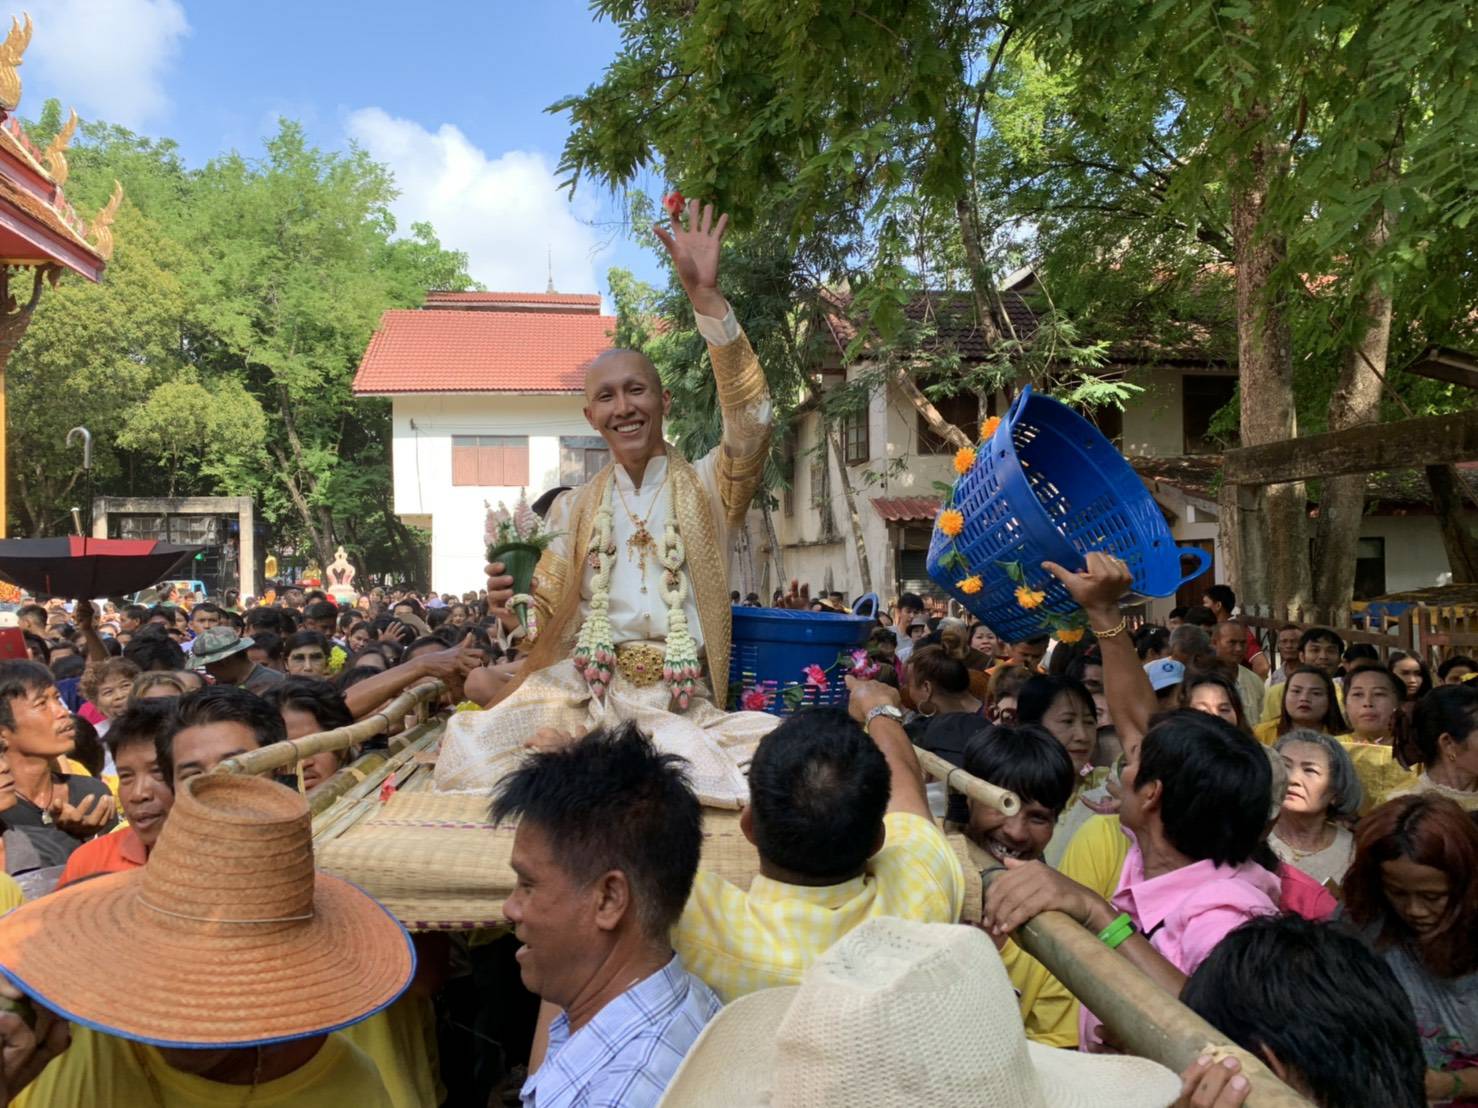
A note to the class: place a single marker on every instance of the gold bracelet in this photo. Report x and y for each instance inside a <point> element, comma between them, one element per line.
<point>1113,632</point>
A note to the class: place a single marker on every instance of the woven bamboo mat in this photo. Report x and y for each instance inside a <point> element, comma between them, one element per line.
<point>435,862</point>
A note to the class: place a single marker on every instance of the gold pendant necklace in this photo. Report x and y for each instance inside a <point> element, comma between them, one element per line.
<point>641,543</point>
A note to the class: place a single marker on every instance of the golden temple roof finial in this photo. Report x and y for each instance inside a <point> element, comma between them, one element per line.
<point>12,50</point>
<point>56,158</point>
<point>102,225</point>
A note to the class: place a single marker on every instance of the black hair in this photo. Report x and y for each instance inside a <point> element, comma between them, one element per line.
<point>31,610</point>
<point>353,675</point>
<point>17,679</point>
<point>412,603</point>
<point>1039,693</point>
<point>1320,634</point>
<point>305,638</point>
<point>1223,595</point>
<point>136,612</point>
<point>1177,613</point>
<point>321,609</point>
<point>269,643</point>
<point>423,641</point>
<point>1215,780</point>
<point>612,801</point>
<point>205,606</point>
<point>70,666</point>
<point>546,500</point>
<point>1446,710</point>
<point>1422,667</point>
<point>1025,759</point>
<point>1199,616</point>
<point>270,619</point>
<point>1363,652</point>
<point>37,645</point>
<point>1149,640</point>
<point>113,647</point>
<point>219,704</point>
<point>143,721</point>
<point>1032,640</point>
<point>910,602</point>
<point>312,695</point>
<point>1452,663</point>
<point>435,617</point>
<point>87,748</point>
<point>154,650</point>
<point>818,790</point>
<point>1320,1001</point>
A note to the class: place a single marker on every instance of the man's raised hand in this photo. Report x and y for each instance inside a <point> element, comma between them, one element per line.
<point>1100,585</point>
<point>695,252</point>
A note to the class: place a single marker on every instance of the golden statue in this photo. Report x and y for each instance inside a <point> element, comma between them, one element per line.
<point>12,50</point>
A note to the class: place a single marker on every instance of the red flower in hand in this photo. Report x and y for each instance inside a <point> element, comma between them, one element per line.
<point>674,203</point>
<point>816,677</point>
<point>755,700</point>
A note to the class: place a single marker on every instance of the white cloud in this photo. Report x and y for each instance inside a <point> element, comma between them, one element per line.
<point>106,58</point>
<point>506,213</point>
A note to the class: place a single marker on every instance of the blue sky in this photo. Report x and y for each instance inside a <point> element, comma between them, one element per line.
<point>450,95</point>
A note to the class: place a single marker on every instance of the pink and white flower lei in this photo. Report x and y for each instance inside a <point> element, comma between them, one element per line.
<point>595,650</point>
<point>680,666</point>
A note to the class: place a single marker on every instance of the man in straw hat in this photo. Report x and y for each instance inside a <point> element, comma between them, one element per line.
<point>605,852</point>
<point>632,594</point>
<point>899,1015</point>
<point>221,969</point>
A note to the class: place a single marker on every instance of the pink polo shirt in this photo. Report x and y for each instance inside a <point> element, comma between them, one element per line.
<point>1186,912</point>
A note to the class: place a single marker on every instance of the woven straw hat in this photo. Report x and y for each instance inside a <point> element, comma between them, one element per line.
<point>900,1014</point>
<point>227,938</point>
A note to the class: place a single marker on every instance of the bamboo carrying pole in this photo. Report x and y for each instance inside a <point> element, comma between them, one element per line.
<point>1146,1019</point>
<point>992,796</point>
<point>290,752</point>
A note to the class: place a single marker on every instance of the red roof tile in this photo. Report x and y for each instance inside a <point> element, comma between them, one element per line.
<point>417,351</point>
<point>906,509</point>
<point>515,301</point>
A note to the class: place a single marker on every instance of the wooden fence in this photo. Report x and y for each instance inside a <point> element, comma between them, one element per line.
<point>1431,633</point>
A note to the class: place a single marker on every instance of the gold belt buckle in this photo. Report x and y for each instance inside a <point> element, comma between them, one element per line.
<point>640,663</point>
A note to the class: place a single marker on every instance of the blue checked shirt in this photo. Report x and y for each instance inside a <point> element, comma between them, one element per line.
<point>625,1056</point>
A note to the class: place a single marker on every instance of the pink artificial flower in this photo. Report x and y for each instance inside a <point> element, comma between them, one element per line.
<point>525,522</point>
<point>816,678</point>
<point>755,700</point>
<point>863,667</point>
<point>387,790</point>
<point>495,518</point>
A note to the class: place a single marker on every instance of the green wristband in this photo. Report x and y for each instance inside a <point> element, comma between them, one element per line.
<point>1116,932</point>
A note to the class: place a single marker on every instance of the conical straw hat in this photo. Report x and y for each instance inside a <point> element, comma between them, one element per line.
<point>227,937</point>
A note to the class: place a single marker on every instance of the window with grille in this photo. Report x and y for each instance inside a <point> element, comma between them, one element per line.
<point>855,445</point>
<point>490,460</point>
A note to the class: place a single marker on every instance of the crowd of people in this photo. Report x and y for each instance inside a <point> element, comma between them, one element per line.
<point>1282,839</point>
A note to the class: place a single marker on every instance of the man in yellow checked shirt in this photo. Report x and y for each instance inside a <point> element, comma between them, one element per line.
<point>631,598</point>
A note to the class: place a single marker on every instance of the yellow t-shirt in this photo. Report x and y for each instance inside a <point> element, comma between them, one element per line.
<point>1267,733</point>
<point>401,1042</point>
<point>1381,776</point>
<point>1096,855</point>
<point>738,942</point>
<point>1048,1011</point>
<point>103,1069</point>
<point>1272,703</point>
<point>10,894</point>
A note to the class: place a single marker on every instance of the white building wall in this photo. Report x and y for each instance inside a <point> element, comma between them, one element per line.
<point>423,427</point>
<point>1154,419</point>
<point>1415,556</point>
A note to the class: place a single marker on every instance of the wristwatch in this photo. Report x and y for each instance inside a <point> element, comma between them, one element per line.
<point>883,710</point>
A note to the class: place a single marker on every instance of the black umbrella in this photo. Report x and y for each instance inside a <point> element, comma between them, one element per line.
<point>83,567</point>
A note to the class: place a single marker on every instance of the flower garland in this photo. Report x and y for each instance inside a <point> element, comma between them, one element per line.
<point>595,650</point>
<point>951,524</point>
<point>680,667</point>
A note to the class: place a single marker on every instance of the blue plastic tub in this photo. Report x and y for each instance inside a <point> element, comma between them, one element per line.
<point>1050,487</point>
<point>773,648</point>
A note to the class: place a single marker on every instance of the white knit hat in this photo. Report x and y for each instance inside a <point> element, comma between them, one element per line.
<point>899,1015</point>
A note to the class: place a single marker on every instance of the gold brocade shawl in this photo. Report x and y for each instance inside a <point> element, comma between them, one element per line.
<point>558,597</point>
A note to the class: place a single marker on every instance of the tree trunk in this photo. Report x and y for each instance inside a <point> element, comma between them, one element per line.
<point>1274,557</point>
<point>994,322</point>
<point>937,423</point>
<point>322,544</point>
<point>858,543</point>
<point>1447,501</point>
<point>777,553</point>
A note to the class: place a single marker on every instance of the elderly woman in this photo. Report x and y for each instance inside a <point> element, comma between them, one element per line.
<point>1446,734</point>
<point>1413,894</point>
<point>1309,702</point>
<point>1322,791</point>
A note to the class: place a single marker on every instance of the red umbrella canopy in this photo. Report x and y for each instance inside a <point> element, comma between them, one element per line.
<point>76,566</point>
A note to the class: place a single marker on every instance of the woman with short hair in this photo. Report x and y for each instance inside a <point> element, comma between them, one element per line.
<point>1323,792</point>
<point>1413,894</point>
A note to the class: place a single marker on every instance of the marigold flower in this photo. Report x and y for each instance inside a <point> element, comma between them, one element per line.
<point>1069,635</point>
<point>988,428</point>
<point>964,460</point>
<point>951,522</point>
<point>1029,598</point>
<point>970,585</point>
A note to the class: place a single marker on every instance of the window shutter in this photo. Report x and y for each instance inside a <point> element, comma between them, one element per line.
<point>464,461</point>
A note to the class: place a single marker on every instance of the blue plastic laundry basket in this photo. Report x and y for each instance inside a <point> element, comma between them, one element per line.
<point>1049,487</point>
<point>772,648</point>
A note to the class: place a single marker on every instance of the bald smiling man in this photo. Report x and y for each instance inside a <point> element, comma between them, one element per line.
<point>632,597</point>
